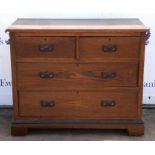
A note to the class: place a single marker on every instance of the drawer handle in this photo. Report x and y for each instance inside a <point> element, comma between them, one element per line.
<point>46,74</point>
<point>106,75</point>
<point>47,103</point>
<point>108,103</point>
<point>109,48</point>
<point>46,48</point>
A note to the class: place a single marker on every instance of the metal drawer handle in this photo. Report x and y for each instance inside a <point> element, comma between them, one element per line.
<point>106,75</point>
<point>46,48</point>
<point>109,48</point>
<point>108,103</point>
<point>44,103</point>
<point>46,74</point>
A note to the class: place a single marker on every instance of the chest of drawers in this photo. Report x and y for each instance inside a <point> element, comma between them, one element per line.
<point>77,73</point>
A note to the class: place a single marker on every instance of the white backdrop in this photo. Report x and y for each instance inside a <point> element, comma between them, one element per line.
<point>74,9</point>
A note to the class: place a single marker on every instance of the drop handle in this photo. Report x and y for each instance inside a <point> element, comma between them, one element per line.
<point>105,75</point>
<point>46,48</point>
<point>108,103</point>
<point>46,74</point>
<point>45,103</point>
<point>109,48</point>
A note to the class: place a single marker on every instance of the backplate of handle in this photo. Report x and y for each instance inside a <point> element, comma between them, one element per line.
<point>45,103</point>
<point>109,48</point>
<point>45,48</point>
<point>46,74</point>
<point>105,75</point>
<point>108,103</point>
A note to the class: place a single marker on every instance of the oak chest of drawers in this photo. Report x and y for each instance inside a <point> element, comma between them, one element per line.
<point>77,73</point>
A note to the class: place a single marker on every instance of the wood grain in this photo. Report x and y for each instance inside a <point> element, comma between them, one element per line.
<point>61,47</point>
<point>71,55</point>
<point>74,33</point>
<point>134,128</point>
<point>141,75</point>
<point>77,24</point>
<point>79,105</point>
<point>75,76</point>
<point>14,76</point>
<point>92,47</point>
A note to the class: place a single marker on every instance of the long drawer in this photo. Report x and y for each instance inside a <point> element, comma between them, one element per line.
<point>47,76</point>
<point>45,47</point>
<point>109,47</point>
<point>118,104</point>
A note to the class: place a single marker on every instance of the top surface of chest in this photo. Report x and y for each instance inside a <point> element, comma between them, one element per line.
<point>78,24</point>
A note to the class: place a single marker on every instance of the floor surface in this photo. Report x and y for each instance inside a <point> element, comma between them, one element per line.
<point>77,135</point>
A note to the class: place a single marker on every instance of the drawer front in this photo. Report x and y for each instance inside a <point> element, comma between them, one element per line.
<point>109,47</point>
<point>79,105</point>
<point>45,47</point>
<point>47,76</point>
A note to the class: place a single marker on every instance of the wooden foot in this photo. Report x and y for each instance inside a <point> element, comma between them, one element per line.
<point>136,130</point>
<point>18,131</point>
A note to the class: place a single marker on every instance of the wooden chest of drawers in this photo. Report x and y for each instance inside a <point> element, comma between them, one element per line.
<point>77,74</point>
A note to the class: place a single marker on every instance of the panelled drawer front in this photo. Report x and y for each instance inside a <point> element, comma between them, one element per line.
<point>109,47</point>
<point>45,47</point>
<point>47,76</point>
<point>74,105</point>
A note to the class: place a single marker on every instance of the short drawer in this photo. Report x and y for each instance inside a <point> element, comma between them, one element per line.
<point>118,104</point>
<point>48,76</point>
<point>109,47</point>
<point>45,47</point>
